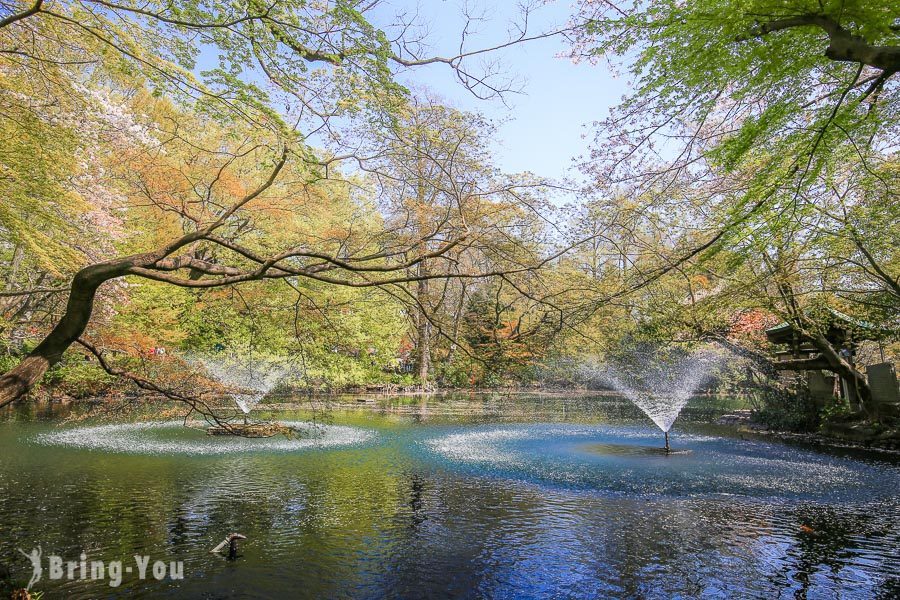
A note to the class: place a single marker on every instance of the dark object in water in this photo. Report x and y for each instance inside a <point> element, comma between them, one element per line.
<point>230,541</point>
<point>667,442</point>
<point>629,450</point>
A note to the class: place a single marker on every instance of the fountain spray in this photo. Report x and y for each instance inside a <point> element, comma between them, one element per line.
<point>659,387</point>
<point>250,379</point>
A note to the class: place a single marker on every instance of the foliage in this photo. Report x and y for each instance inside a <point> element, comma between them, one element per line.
<point>750,178</point>
<point>747,165</point>
<point>735,81</point>
<point>78,377</point>
<point>836,410</point>
<point>787,410</point>
<point>141,146</point>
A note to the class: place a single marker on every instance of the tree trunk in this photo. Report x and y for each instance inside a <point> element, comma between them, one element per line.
<point>423,329</point>
<point>8,304</point>
<point>17,257</point>
<point>20,379</point>
<point>423,326</point>
<point>424,351</point>
<point>843,368</point>
<point>457,318</point>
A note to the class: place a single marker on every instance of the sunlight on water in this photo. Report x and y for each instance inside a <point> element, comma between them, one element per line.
<point>629,460</point>
<point>479,447</point>
<point>175,438</point>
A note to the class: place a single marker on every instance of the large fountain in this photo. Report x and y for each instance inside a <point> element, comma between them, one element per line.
<point>660,385</point>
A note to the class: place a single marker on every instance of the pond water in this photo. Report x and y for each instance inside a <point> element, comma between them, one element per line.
<point>475,496</point>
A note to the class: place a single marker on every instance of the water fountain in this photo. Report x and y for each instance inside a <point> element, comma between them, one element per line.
<point>248,380</point>
<point>622,459</point>
<point>659,386</point>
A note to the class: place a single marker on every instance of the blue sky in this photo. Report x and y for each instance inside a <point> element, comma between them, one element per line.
<point>544,128</point>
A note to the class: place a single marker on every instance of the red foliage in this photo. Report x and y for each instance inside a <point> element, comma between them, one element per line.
<point>751,323</point>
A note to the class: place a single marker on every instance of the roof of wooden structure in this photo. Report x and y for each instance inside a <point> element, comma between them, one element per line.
<point>842,329</point>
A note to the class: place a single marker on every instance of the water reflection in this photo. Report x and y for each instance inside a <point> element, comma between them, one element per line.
<point>629,450</point>
<point>395,519</point>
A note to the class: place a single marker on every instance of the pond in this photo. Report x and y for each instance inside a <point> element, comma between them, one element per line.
<point>450,496</point>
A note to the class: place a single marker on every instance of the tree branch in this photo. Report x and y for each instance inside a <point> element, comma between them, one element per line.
<point>34,291</point>
<point>843,45</point>
<point>35,8</point>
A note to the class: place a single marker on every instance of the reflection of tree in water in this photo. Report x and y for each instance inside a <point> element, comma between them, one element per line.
<point>825,540</point>
<point>672,552</point>
<point>888,589</point>
<point>416,500</point>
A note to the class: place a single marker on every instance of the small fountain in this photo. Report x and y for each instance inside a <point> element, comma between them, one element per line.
<point>660,388</point>
<point>250,379</point>
<point>245,380</point>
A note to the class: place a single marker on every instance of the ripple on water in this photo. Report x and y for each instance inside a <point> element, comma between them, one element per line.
<point>479,446</point>
<point>169,437</point>
<point>629,460</point>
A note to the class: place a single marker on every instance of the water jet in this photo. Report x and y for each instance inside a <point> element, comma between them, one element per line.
<point>249,381</point>
<point>659,386</point>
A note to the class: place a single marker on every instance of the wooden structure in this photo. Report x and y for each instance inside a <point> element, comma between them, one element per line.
<point>844,333</point>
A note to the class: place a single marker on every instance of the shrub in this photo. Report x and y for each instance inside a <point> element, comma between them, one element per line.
<point>787,410</point>
<point>78,377</point>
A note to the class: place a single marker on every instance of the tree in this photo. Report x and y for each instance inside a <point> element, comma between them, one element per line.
<point>743,103</point>
<point>225,126</point>
<point>719,83</point>
<point>774,126</point>
<point>433,172</point>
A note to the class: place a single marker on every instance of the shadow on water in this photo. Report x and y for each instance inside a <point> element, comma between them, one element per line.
<point>630,450</point>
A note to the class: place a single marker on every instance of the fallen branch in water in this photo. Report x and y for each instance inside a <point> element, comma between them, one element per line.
<point>231,542</point>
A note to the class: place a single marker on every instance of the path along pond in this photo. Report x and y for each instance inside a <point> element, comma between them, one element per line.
<point>475,496</point>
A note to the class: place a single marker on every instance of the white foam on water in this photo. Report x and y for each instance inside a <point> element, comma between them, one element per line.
<point>479,446</point>
<point>143,438</point>
<point>485,446</point>
<point>555,453</point>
